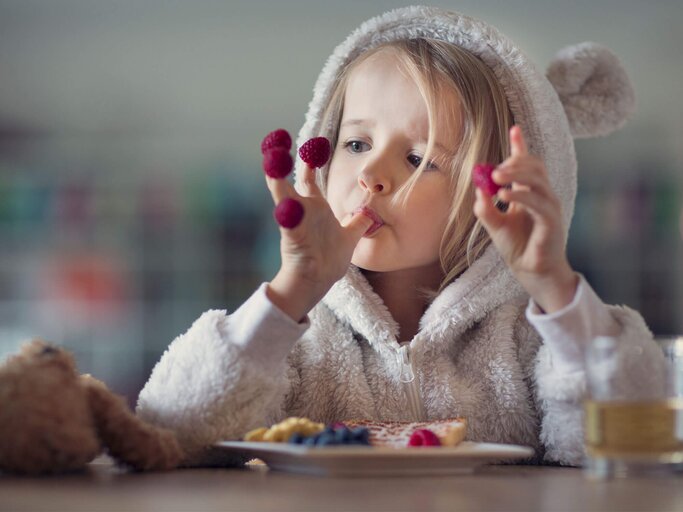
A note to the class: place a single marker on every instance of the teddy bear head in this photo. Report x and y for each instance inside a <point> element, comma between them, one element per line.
<point>45,420</point>
<point>54,420</point>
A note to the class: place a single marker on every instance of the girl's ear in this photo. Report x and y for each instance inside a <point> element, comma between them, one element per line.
<point>593,87</point>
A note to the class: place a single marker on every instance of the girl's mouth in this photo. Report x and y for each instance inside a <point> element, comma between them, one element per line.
<point>372,214</point>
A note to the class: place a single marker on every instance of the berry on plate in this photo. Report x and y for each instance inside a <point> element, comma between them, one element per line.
<point>424,437</point>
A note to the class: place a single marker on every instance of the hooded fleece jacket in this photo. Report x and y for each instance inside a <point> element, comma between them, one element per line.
<point>483,351</point>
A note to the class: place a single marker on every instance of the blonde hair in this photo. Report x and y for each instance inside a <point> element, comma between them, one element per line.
<point>438,67</point>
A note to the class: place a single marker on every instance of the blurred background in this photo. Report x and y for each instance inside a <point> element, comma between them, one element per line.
<point>131,190</point>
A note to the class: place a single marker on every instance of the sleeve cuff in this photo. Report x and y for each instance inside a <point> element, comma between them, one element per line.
<point>264,331</point>
<point>566,332</point>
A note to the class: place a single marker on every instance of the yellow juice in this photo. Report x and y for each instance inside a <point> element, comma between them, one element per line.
<point>652,429</point>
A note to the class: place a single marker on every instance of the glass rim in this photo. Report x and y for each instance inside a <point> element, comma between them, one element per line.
<point>672,343</point>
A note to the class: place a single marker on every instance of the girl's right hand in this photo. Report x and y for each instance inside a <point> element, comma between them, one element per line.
<point>316,253</point>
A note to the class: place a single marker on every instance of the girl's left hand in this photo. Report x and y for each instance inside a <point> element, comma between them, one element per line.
<point>529,235</point>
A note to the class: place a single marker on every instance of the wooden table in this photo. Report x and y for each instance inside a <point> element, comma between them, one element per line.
<point>507,488</point>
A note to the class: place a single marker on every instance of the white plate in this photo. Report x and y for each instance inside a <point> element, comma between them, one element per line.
<point>374,461</point>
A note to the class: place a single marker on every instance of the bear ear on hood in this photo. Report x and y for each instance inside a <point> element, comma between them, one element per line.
<point>595,91</point>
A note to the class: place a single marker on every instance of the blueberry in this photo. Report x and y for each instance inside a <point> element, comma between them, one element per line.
<point>296,438</point>
<point>343,435</point>
<point>361,435</point>
<point>311,441</point>
<point>326,439</point>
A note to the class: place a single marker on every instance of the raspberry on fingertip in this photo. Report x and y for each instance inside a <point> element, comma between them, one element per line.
<point>289,213</point>
<point>277,162</point>
<point>279,138</point>
<point>315,152</point>
<point>481,177</point>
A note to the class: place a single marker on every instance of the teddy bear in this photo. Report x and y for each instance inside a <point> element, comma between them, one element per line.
<point>54,420</point>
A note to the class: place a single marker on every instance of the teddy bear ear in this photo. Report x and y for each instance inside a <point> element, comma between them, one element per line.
<point>595,91</point>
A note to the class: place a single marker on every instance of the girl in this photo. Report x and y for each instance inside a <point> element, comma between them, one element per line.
<point>391,302</point>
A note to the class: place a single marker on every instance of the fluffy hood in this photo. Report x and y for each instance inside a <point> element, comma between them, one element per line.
<point>584,93</point>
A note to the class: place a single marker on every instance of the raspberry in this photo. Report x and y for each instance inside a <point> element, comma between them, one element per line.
<point>423,437</point>
<point>481,176</point>
<point>277,162</point>
<point>289,213</point>
<point>277,139</point>
<point>315,152</point>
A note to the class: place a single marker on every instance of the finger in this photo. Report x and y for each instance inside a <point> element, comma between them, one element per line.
<point>280,188</point>
<point>310,186</point>
<point>358,225</point>
<point>487,212</point>
<point>527,173</point>
<point>517,143</point>
<point>539,207</point>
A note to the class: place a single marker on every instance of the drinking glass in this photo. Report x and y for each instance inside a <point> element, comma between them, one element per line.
<point>632,428</point>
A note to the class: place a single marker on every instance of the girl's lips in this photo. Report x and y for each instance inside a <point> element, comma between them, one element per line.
<point>372,214</point>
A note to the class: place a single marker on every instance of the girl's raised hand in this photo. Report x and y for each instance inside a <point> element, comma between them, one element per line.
<point>529,235</point>
<point>316,253</point>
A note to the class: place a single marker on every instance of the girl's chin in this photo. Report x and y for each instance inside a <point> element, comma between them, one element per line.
<point>388,261</point>
<point>375,264</point>
<point>374,256</point>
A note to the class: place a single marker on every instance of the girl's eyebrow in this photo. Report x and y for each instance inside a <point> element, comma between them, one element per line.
<point>438,146</point>
<point>356,122</point>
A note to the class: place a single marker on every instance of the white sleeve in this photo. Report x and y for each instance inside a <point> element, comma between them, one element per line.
<point>560,375</point>
<point>225,376</point>
<point>567,332</point>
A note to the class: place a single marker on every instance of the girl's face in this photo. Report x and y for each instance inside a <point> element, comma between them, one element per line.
<point>382,139</point>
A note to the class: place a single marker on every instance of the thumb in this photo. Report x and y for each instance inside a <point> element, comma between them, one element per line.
<point>490,216</point>
<point>358,225</point>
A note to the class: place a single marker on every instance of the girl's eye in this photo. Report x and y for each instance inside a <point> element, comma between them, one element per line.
<point>416,160</point>
<point>356,146</point>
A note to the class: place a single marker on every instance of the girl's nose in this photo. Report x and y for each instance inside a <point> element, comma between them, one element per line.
<point>373,183</point>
